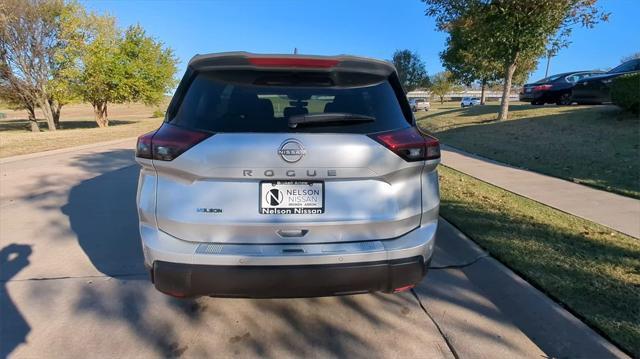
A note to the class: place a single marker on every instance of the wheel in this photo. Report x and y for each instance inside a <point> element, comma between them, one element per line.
<point>564,100</point>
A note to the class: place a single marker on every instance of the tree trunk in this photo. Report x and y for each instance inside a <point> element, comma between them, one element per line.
<point>55,111</point>
<point>44,105</point>
<point>441,100</point>
<point>100,110</point>
<point>506,89</point>
<point>482,94</point>
<point>32,119</point>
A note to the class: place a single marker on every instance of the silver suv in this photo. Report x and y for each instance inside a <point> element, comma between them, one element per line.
<point>287,176</point>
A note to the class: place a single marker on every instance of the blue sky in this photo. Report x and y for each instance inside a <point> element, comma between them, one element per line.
<point>368,28</point>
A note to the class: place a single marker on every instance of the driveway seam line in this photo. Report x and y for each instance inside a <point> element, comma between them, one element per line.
<point>463,265</point>
<point>125,275</point>
<point>444,336</point>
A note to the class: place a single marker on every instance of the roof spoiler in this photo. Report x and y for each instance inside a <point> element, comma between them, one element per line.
<point>266,62</point>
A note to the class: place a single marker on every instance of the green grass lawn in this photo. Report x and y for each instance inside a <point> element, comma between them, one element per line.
<point>593,145</point>
<point>589,268</point>
<point>21,142</point>
<point>78,127</point>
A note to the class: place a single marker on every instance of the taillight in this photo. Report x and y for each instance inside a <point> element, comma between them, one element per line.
<point>542,87</point>
<point>143,147</point>
<point>168,142</point>
<point>292,62</point>
<point>410,144</point>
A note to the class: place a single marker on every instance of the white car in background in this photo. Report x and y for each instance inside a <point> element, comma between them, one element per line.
<point>469,101</point>
<point>418,104</point>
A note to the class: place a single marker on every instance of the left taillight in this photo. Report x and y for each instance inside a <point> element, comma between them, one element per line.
<point>410,144</point>
<point>542,87</point>
<point>168,142</point>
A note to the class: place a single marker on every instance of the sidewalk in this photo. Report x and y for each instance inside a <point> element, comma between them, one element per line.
<point>614,211</point>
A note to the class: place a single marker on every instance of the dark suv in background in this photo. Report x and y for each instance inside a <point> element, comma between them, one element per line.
<point>597,89</point>
<point>554,89</point>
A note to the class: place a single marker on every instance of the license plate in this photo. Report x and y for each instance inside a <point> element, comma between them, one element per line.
<point>527,90</point>
<point>291,197</point>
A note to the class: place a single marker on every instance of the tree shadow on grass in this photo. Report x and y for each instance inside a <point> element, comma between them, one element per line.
<point>599,149</point>
<point>472,111</point>
<point>588,276</point>
<point>24,124</point>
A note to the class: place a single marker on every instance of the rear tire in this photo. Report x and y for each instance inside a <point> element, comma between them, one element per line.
<point>564,100</point>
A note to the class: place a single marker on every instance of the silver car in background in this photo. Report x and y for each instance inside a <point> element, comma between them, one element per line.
<point>469,101</point>
<point>419,104</point>
<point>287,176</point>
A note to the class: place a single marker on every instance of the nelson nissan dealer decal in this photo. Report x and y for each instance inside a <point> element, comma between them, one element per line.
<point>291,197</point>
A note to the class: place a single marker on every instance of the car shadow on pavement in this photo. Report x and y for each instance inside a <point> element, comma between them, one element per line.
<point>102,213</point>
<point>13,326</point>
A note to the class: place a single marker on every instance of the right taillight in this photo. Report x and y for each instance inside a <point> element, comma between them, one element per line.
<point>410,144</point>
<point>168,142</point>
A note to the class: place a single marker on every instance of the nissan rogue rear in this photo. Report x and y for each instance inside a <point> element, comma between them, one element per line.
<point>287,176</point>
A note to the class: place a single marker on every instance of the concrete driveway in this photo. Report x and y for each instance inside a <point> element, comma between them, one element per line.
<point>72,284</point>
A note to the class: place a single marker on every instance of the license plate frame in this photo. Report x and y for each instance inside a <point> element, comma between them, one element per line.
<point>290,203</point>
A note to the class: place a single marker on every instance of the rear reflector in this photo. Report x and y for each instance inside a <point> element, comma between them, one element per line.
<point>410,144</point>
<point>168,142</point>
<point>292,62</point>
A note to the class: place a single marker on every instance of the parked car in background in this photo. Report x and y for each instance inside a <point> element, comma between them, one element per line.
<point>597,89</point>
<point>238,197</point>
<point>418,104</point>
<point>469,101</point>
<point>554,89</point>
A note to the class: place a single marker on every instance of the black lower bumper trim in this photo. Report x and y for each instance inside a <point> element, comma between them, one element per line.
<point>186,280</point>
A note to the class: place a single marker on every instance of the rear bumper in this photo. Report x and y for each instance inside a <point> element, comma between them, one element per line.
<point>183,268</point>
<point>542,96</point>
<point>187,280</point>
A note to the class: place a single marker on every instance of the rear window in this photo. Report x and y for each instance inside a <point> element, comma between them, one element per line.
<point>549,79</point>
<point>212,104</point>
<point>627,66</point>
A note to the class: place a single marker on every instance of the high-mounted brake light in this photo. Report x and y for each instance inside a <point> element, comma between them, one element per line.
<point>542,87</point>
<point>410,144</point>
<point>292,62</point>
<point>168,142</point>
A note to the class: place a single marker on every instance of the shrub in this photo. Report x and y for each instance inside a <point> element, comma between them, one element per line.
<point>158,113</point>
<point>625,92</point>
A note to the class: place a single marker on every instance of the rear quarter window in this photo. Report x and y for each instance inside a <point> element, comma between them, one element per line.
<point>211,104</point>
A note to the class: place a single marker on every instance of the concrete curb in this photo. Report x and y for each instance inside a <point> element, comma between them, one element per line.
<point>63,150</point>
<point>554,329</point>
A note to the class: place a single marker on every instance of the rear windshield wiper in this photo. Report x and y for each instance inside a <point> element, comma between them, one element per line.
<point>328,118</point>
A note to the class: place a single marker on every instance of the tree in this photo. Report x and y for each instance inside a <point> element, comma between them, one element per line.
<point>121,68</point>
<point>17,101</point>
<point>466,61</point>
<point>442,84</point>
<point>411,70</point>
<point>66,64</point>
<point>514,32</point>
<point>31,43</point>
